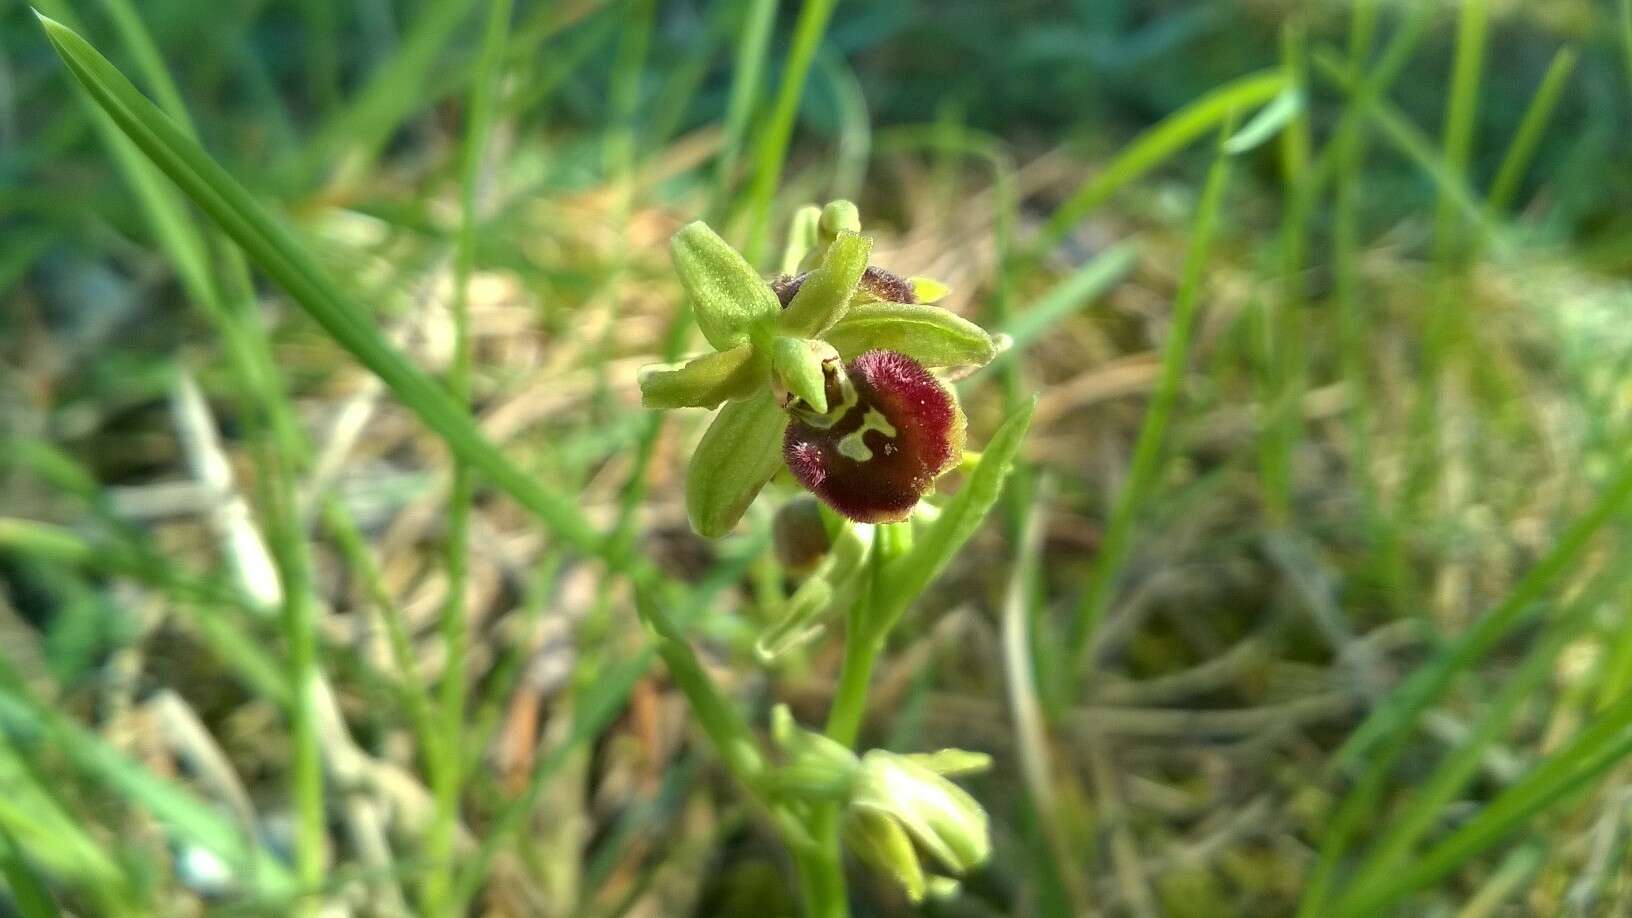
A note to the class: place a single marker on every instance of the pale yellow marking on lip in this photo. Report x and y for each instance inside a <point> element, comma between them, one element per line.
<point>852,446</point>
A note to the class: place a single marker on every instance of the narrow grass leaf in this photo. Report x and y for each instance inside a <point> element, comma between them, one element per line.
<point>1156,145</point>
<point>1147,453</point>
<point>904,579</point>
<point>182,813</point>
<point>287,262</point>
<point>28,891</point>
<point>1075,292</point>
<point>1521,150</point>
<point>1269,121</point>
<point>1406,704</point>
<point>1605,742</point>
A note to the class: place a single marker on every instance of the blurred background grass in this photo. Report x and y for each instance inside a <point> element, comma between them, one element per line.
<point>1370,459</point>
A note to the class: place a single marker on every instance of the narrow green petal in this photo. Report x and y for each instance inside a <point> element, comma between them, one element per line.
<point>727,293</point>
<point>825,294</point>
<point>928,289</point>
<point>703,382</point>
<point>804,235</point>
<point>928,334</point>
<point>740,452</point>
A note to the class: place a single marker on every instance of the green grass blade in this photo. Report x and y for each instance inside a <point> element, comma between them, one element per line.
<point>285,260</point>
<point>1156,145</point>
<point>1075,292</point>
<point>448,773</point>
<point>1400,712</point>
<point>391,94</point>
<point>1146,464</point>
<point>771,142</point>
<point>1429,803</point>
<point>28,891</point>
<point>933,549</point>
<point>1522,149</point>
<point>1606,742</point>
<point>1460,112</point>
<point>754,38</point>
<point>177,809</point>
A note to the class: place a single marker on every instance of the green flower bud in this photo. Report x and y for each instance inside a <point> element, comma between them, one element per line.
<point>728,295</point>
<point>799,536</point>
<point>941,817</point>
<point>815,767</point>
<point>839,217</point>
<point>833,583</point>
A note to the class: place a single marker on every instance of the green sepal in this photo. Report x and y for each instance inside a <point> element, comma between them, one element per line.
<point>727,293</point>
<point>804,236</point>
<point>952,762</point>
<point>881,843</point>
<point>928,334</point>
<point>796,364</point>
<point>703,382</point>
<point>738,454</point>
<point>825,295</point>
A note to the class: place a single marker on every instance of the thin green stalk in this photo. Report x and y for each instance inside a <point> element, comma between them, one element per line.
<point>821,869</point>
<point>1281,336</point>
<point>755,38</point>
<point>1522,149</point>
<point>771,145</point>
<point>390,94</point>
<point>447,766</point>
<point>1156,145</point>
<point>1147,454</point>
<point>1457,131</point>
<point>1347,153</point>
<point>1624,7</point>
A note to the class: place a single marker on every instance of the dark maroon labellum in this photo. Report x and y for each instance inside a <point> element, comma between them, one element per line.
<point>889,434</point>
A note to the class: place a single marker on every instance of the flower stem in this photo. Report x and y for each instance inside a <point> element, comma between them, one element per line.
<point>821,868</point>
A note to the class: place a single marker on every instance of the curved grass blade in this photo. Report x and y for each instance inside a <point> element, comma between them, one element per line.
<point>276,251</point>
<point>1156,145</point>
<point>907,577</point>
<point>1606,742</point>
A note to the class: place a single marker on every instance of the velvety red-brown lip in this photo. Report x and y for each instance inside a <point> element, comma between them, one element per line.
<point>913,432</point>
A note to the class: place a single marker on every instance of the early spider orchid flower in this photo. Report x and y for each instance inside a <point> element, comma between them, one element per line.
<point>824,370</point>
